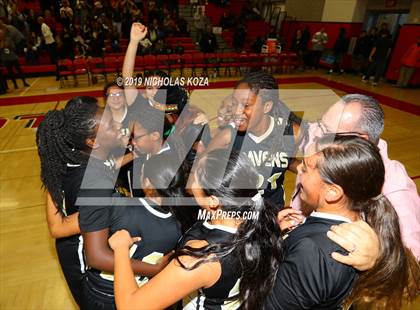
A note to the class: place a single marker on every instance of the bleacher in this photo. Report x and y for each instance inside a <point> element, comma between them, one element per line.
<point>191,59</point>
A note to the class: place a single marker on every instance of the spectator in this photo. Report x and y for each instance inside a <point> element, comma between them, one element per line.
<point>49,40</point>
<point>9,59</point>
<point>66,15</point>
<point>16,19</point>
<point>67,45</point>
<point>155,32</point>
<point>169,26</point>
<point>299,46</point>
<point>127,20</point>
<point>208,42</point>
<point>32,21</point>
<point>98,8</point>
<point>378,57</point>
<point>226,20</point>
<point>306,55</point>
<point>319,40</point>
<point>183,27</point>
<point>117,16</point>
<point>361,52</point>
<point>373,37</point>
<point>239,38</point>
<point>32,48</point>
<point>79,41</point>
<point>200,23</point>
<point>409,63</point>
<point>15,35</point>
<point>155,12</point>
<point>297,43</point>
<point>340,48</point>
<point>257,45</point>
<point>83,12</point>
<point>50,21</point>
<point>96,42</point>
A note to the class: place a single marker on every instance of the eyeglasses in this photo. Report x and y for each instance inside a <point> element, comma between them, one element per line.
<point>119,94</point>
<point>321,126</point>
<point>325,130</point>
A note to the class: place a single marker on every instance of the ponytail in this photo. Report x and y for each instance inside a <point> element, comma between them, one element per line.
<point>396,271</point>
<point>61,139</point>
<point>256,249</point>
<point>349,158</point>
<point>259,248</point>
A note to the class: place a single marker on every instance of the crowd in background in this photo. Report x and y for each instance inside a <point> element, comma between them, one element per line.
<point>66,29</point>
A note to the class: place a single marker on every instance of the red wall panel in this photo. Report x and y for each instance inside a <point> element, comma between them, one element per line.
<point>408,35</point>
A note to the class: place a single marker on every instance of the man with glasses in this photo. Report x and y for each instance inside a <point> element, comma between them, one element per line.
<point>363,116</point>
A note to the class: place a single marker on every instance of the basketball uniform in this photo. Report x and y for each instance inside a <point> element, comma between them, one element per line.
<point>160,232</point>
<point>270,163</point>
<point>217,296</point>
<point>121,150</point>
<point>308,277</point>
<point>70,249</point>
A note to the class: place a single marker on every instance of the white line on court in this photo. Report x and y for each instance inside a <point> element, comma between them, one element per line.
<point>28,88</point>
<point>18,150</point>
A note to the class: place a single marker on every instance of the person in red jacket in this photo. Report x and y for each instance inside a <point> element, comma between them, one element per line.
<point>409,62</point>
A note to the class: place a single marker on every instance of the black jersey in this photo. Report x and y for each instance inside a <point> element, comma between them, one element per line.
<point>271,155</point>
<point>118,152</point>
<point>70,249</point>
<point>159,231</point>
<point>216,296</point>
<point>134,173</point>
<point>309,278</point>
<point>96,195</point>
<point>237,138</point>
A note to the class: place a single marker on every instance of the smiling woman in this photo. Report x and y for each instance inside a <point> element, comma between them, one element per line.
<point>308,277</point>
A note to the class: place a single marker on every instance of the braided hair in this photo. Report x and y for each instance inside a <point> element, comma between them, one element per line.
<point>61,140</point>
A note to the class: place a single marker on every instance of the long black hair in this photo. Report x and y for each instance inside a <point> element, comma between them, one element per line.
<point>355,164</point>
<point>257,246</point>
<point>61,140</point>
<point>169,180</point>
<point>266,87</point>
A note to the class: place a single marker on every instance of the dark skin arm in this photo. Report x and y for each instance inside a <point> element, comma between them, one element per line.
<point>295,162</point>
<point>101,257</point>
<point>220,141</point>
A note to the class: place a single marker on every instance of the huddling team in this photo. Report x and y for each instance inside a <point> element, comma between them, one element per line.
<point>121,180</point>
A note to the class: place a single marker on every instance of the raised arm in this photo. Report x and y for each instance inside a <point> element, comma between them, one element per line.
<point>221,140</point>
<point>138,33</point>
<point>60,226</point>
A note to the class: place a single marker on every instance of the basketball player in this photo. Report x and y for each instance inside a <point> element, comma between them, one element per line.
<point>271,131</point>
<point>122,154</point>
<point>65,140</point>
<point>155,218</point>
<point>213,254</point>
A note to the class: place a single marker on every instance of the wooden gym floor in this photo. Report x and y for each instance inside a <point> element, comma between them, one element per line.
<point>30,276</point>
